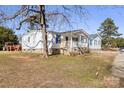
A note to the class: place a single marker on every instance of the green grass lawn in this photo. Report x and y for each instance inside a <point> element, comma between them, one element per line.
<point>31,70</point>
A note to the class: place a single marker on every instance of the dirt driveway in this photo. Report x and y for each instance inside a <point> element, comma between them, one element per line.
<point>118,66</point>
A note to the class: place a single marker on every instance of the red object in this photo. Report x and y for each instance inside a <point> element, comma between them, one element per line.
<point>13,47</point>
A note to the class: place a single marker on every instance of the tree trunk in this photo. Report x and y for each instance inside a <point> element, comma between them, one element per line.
<point>44,32</point>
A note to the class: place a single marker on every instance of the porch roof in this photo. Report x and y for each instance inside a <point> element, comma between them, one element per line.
<point>73,32</point>
<point>76,32</point>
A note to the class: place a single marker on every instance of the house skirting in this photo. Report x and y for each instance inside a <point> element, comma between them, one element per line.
<point>33,50</point>
<point>50,51</point>
<point>54,51</point>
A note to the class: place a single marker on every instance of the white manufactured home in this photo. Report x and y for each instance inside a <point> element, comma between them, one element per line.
<point>61,42</point>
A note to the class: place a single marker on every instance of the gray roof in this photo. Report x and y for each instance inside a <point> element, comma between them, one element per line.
<point>64,32</point>
<point>92,36</point>
<point>75,31</point>
<point>72,31</point>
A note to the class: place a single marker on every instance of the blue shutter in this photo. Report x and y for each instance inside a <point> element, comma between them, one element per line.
<point>56,39</point>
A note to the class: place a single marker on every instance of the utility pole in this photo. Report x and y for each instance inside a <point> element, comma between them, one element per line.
<point>43,29</point>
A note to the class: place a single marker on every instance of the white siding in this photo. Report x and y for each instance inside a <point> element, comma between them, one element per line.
<point>33,40</point>
<point>36,41</point>
<point>95,44</point>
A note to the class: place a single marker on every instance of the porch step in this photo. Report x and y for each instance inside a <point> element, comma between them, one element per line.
<point>79,51</point>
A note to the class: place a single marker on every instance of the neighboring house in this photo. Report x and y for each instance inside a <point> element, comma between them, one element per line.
<point>95,41</point>
<point>59,42</point>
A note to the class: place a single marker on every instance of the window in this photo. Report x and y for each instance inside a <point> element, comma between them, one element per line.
<point>66,38</point>
<point>85,40</point>
<point>75,39</point>
<point>29,39</point>
<point>95,42</point>
<point>82,40</point>
<point>90,42</point>
<point>58,39</point>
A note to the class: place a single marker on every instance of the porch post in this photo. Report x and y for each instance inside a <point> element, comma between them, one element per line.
<point>80,42</point>
<point>71,43</point>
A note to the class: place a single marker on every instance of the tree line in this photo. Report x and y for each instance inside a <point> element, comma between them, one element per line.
<point>111,38</point>
<point>7,35</point>
<point>108,31</point>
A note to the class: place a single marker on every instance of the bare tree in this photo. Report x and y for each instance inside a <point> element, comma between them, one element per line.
<point>38,16</point>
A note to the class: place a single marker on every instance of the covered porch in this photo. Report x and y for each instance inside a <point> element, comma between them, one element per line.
<point>73,41</point>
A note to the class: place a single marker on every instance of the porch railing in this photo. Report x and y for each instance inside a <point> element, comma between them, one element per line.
<point>75,44</point>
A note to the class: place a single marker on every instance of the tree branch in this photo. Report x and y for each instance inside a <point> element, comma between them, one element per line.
<point>18,13</point>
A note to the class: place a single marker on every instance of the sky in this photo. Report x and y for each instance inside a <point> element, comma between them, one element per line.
<point>94,17</point>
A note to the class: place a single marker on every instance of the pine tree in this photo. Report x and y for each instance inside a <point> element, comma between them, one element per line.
<point>108,31</point>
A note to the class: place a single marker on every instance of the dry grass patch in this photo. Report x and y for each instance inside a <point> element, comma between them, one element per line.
<point>30,70</point>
